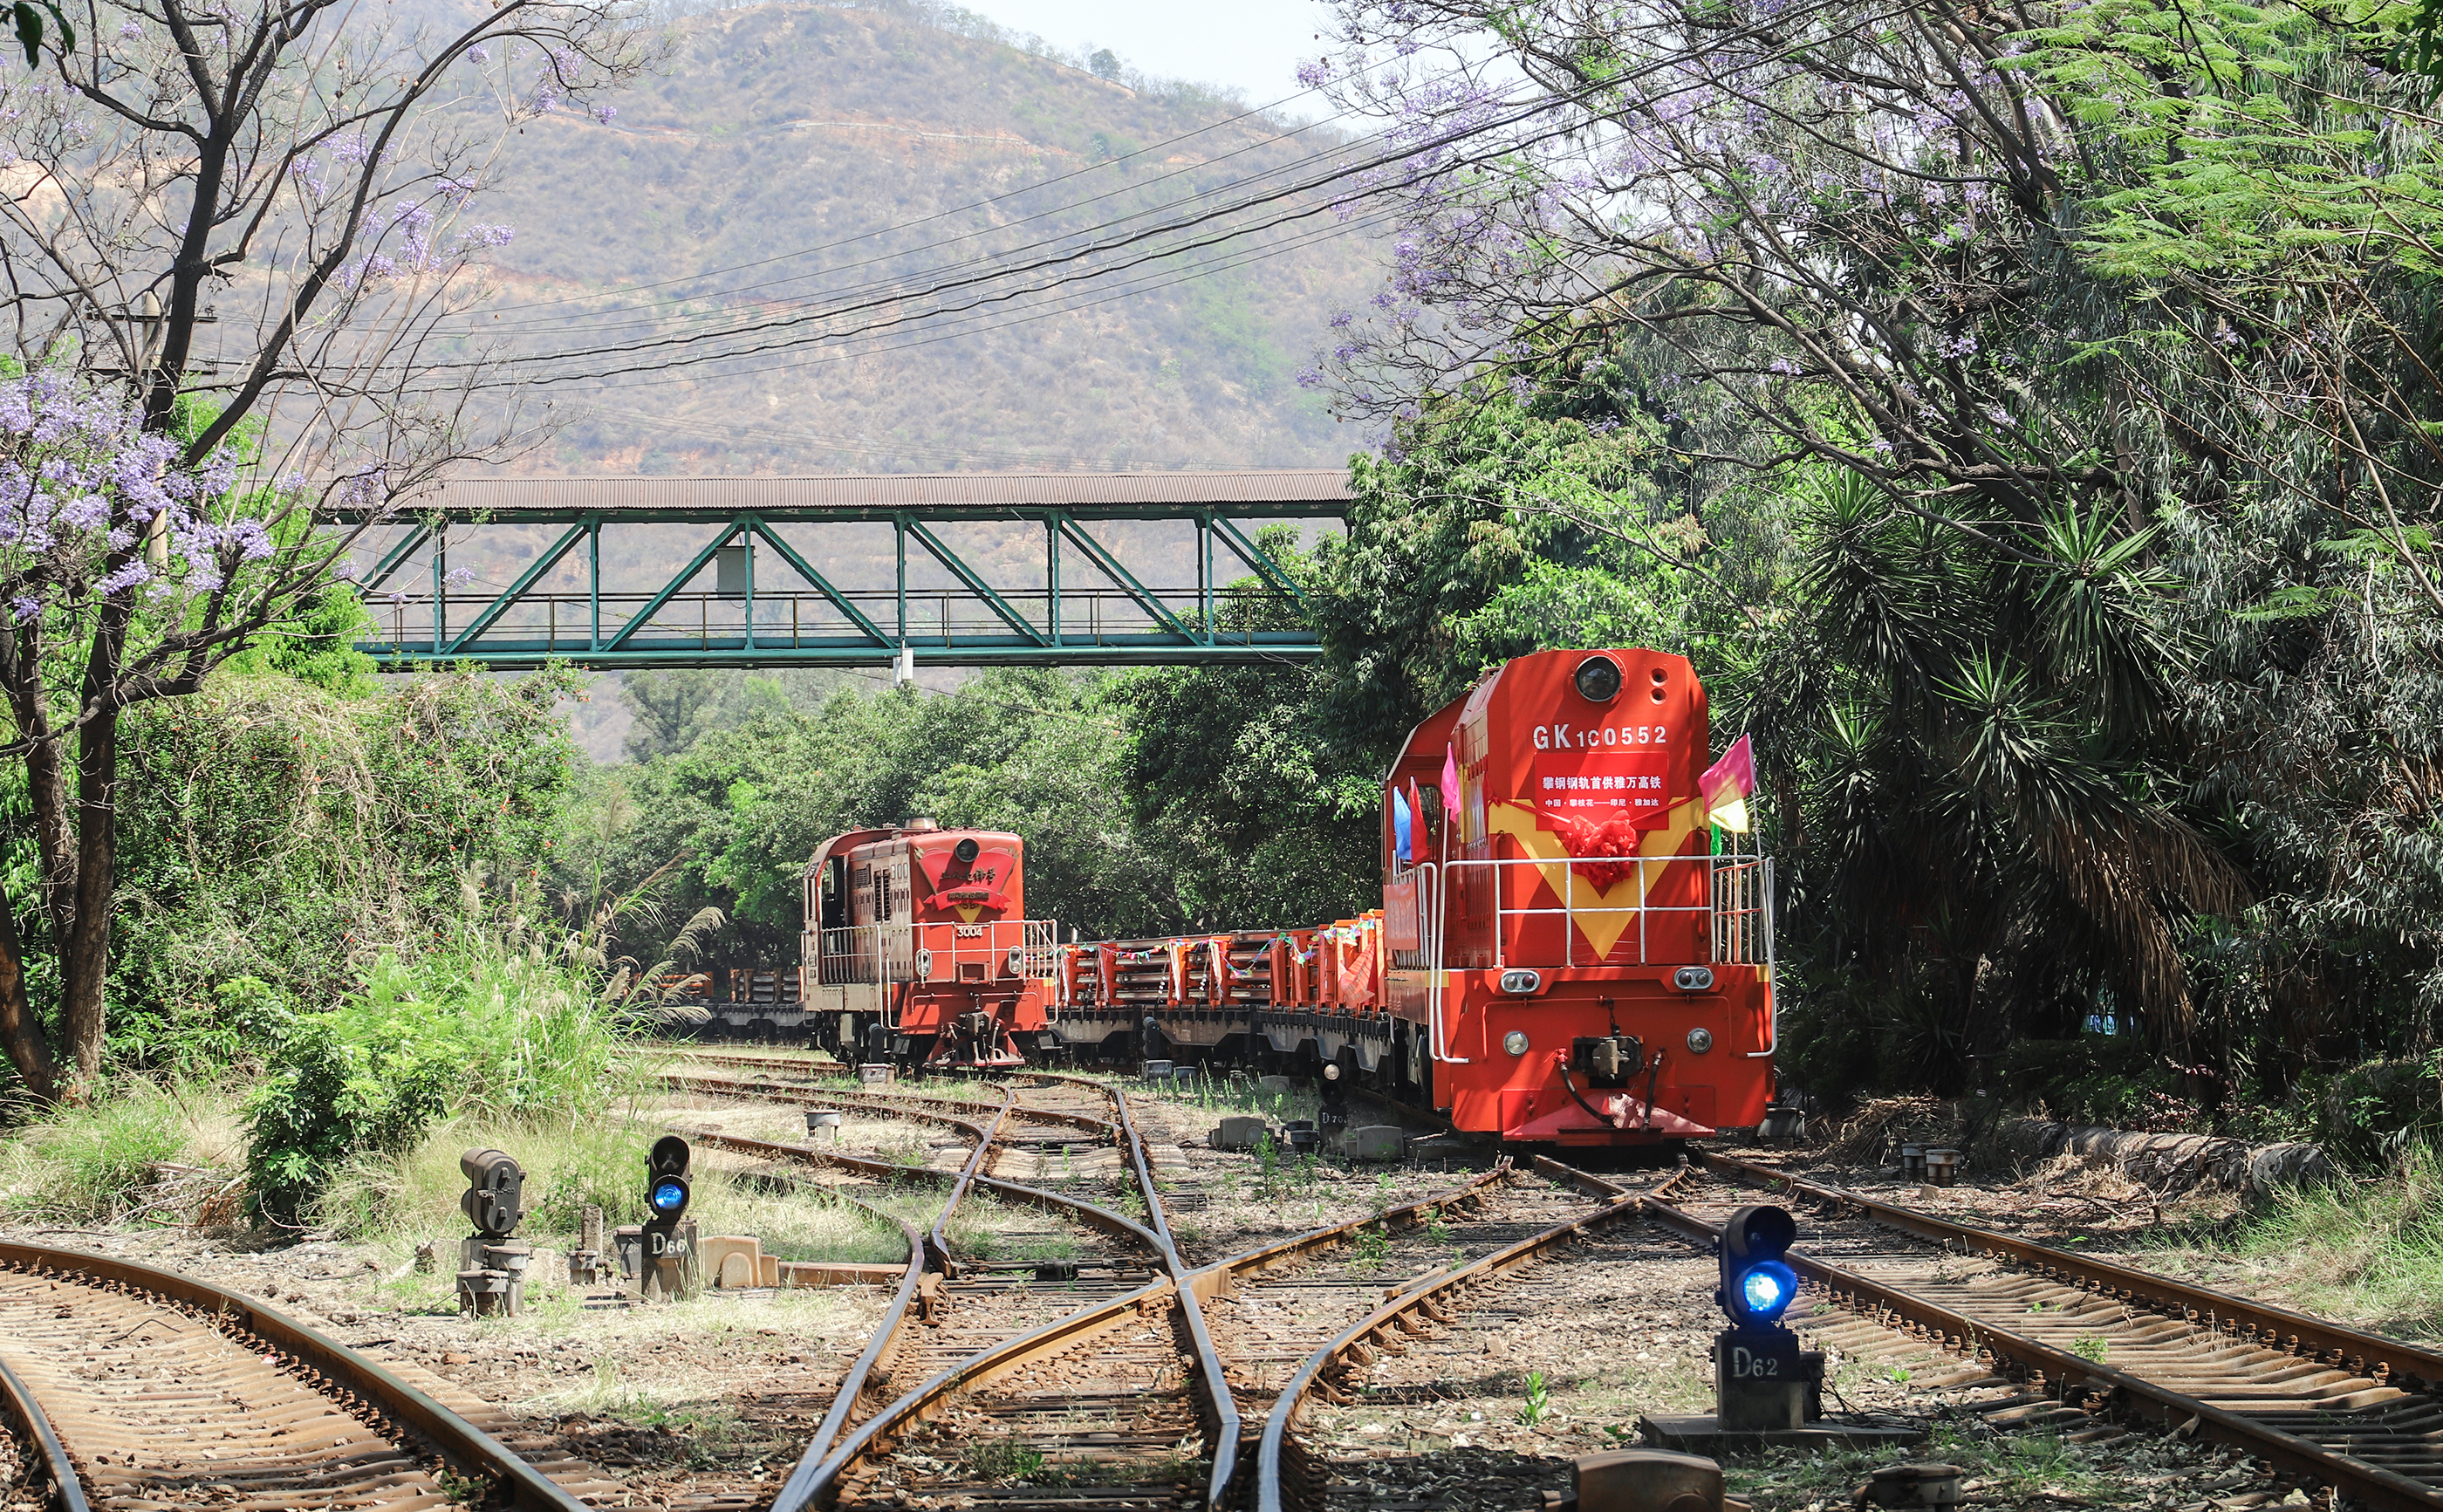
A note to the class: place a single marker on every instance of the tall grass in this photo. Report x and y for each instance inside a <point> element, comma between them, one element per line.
<point>2369,1249</point>
<point>101,1162</point>
<point>480,1027</point>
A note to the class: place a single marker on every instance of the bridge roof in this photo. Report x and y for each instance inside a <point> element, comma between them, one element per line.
<point>1315,491</point>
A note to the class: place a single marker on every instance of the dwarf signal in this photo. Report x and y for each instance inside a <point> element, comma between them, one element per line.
<point>491,1264</point>
<point>657,1258</point>
<point>1762,1380</point>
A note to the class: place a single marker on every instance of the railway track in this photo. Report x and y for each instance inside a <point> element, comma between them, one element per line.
<point>1092,1370</point>
<point>2090,1346</point>
<point>143,1388</point>
<point>2040,1338</point>
<point>1439,1326</point>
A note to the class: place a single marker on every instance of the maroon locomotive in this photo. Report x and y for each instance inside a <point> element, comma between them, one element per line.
<point>917,945</point>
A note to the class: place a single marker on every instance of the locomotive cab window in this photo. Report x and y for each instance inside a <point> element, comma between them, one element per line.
<point>835,893</point>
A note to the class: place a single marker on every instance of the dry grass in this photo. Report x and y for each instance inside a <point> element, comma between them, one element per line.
<point>142,1153</point>
<point>2367,1252</point>
<point>602,1162</point>
<point>1862,1138</point>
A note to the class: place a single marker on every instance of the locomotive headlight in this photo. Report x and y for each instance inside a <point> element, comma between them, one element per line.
<point>1016,960</point>
<point>1693,979</point>
<point>1699,1040</point>
<point>1521,982</point>
<point>965,851</point>
<point>1598,679</point>
<point>1515,1041</point>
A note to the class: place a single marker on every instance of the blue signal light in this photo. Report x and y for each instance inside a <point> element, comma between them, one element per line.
<point>1765,1293</point>
<point>669,1196</point>
<point>1759,1284</point>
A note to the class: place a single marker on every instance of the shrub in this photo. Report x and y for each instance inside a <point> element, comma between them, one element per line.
<point>363,1077</point>
<point>2380,1108</point>
<point>483,1029</point>
<point>2096,1078</point>
<point>277,837</point>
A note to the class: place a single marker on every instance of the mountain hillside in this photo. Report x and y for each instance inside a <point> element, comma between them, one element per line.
<point>790,153</point>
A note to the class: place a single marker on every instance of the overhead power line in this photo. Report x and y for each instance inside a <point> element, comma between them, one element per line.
<point>1064,259</point>
<point>986,203</point>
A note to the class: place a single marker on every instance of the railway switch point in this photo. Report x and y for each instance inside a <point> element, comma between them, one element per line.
<point>821,1119</point>
<point>491,1263</point>
<point>1643,1481</point>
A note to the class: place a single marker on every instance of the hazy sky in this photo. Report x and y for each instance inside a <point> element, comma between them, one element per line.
<point>1253,46</point>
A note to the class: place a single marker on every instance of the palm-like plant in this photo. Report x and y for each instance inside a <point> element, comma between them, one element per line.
<point>1980,732</point>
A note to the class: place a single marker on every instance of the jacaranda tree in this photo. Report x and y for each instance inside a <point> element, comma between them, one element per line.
<point>235,238</point>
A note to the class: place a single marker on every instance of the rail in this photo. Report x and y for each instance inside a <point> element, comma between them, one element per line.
<point>851,1385</point>
<point>1272,1450</point>
<point>2397,1357</point>
<point>887,956</point>
<point>896,1101</point>
<point>65,1488</point>
<point>815,1488</point>
<point>1738,912</point>
<point>467,1448</point>
<point>1432,926</point>
<point>815,1481</point>
<point>2071,1373</point>
<point>859,954</point>
<point>576,621</point>
<point>1092,1213</point>
<point>1735,914</point>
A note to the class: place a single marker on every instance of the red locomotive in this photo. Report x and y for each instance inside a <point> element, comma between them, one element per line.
<point>1562,955</point>
<point>918,946</point>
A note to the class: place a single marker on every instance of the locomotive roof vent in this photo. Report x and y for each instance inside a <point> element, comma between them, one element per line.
<point>1598,679</point>
<point>918,826</point>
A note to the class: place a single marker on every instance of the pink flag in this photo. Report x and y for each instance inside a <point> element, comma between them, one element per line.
<point>1417,851</point>
<point>1726,785</point>
<point>1450,785</point>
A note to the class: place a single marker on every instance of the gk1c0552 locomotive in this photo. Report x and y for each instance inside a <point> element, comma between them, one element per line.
<point>1565,952</point>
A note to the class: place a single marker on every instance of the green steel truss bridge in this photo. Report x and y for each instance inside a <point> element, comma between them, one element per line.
<point>965,568</point>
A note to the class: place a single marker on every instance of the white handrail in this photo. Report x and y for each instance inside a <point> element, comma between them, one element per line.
<point>1771,980</point>
<point>1735,901</point>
